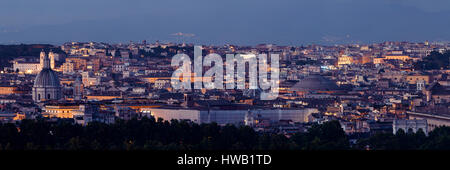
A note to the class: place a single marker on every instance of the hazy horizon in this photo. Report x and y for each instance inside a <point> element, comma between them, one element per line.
<point>213,22</point>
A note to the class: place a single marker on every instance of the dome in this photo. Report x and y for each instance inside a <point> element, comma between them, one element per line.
<point>46,78</point>
<point>46,85</point>
<point>315,83</point>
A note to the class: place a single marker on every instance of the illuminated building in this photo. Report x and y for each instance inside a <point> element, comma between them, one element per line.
<point>52,57</point>
<point>222,116</point>
<point>345,60</point>
<point>79,63</point>
<point>102,97</point>
<point>68,68</point>
<point>7,90</point>
<point>27,67</point>
<point>84,114</point>
<point>96,64</point>
<point>89,79</point>
<point>397,57</point>
<point>7,117</point>
<point>46,85</point>
<point>366,59</point>
<point>413,79</point>
<point>60,111</point>
<point>378,60</point>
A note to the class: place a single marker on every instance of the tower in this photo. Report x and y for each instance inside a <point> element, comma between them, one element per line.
<point>42,58</point>
<point>45,62</point>
<point>51,55</point>
<point>78,89</point>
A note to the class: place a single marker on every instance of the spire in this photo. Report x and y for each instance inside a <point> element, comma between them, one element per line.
<point>46,62</point>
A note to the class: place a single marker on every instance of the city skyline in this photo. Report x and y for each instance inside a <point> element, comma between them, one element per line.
<point>224,84</point>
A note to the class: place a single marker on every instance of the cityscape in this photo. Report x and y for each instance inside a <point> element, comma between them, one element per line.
<point>201,83</point>
<point>365,89</point>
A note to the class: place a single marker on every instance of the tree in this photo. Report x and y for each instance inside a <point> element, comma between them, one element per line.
<point>328,136</point>
<point>434,61</point>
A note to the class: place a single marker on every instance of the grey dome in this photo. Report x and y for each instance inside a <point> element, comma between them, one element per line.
<point>47,78</point>
<point>315,82</point>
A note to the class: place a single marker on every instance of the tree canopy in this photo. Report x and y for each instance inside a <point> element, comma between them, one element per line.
<point>434,61</point>
<point>151,134</point>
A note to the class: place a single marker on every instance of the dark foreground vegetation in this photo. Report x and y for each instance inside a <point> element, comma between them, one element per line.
<point>148,134</point>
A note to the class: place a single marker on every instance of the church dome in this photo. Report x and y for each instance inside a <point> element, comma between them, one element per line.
<point>46,78</point>
<point>315,83</point>
<point>46,85</point>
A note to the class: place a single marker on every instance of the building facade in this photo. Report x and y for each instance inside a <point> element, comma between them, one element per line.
<point>223,117</point>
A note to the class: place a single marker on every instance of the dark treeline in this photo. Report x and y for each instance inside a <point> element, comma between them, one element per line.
<point>148,134</point>
<point>435,60</point>
<point>438,139</point>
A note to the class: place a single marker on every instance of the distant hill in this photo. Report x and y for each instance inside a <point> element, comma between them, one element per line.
<point>9,52</point>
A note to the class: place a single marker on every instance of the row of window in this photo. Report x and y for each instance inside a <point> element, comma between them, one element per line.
<point>39,96</point>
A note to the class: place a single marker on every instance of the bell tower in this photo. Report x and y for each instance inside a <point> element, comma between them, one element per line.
<point>42,57</point>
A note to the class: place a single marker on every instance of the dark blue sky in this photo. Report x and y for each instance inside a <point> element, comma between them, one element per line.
<point>284,22</point>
